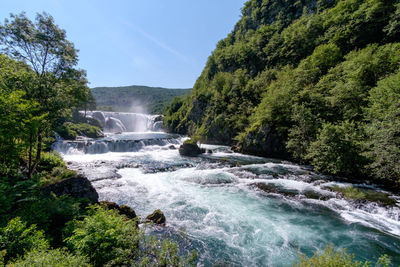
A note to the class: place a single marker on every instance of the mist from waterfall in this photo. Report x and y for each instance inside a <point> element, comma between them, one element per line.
<point>118,122</point>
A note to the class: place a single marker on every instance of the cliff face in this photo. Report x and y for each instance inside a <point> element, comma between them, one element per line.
<point>288,72</point>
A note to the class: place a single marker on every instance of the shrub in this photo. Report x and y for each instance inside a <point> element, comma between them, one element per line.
<point>104,236</point>
<point>17,237</point>
<point>51,213</point>
<point>349,192</point>
<point>55,257</point>
<point>71,130</point>
<point>56,175</point>
<point>108,238</point>
<point>49,161</point>
<point>331,258</point>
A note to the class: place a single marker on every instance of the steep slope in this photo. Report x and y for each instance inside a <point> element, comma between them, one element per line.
<point>295,79</point>
<point>136,98</point>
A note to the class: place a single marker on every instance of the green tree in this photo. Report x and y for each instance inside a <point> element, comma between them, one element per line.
<point>383,129</point>
<point>56,85</point>
<point>336,149</point>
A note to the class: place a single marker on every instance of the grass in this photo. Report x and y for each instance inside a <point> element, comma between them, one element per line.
<point>354,193</point>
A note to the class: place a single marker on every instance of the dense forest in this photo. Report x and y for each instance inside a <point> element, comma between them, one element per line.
<point>135,98</point>
<point>317,82</point>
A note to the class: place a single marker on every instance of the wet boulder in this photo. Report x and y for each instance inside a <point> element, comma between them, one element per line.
<point>114,125</point>
<point>190,150</point>
<point>122,209</point>
<point>77,187</point>
<point>156,217</point>
<point>172,147</point>
<point>99,116</point>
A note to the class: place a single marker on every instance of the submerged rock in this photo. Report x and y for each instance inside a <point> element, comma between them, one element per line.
<point>315,195</point>
<point>271,188</point>
<point>156,217</point>
<point>209,151</point>
<point>122,209</point>
<point>77,187</point>
<point>190,150</point>
<point>172,147</point>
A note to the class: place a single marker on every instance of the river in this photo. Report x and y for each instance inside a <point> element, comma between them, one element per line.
<point>233,209</point>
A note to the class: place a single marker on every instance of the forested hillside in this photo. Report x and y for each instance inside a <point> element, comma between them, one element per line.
<point>313,81</point>
<point>136,98</point>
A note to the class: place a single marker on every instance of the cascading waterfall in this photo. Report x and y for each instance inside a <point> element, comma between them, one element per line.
<point>115,122</point>
<point>233,209</point>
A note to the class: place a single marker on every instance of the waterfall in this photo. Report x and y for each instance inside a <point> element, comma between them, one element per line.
<point>126,142</point>
<point>115,122</point>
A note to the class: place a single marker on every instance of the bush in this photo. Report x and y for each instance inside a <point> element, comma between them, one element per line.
<point>108,238</point>
<point>49,161</point>
<point>332,258</point>
<point>17,237</point>
<point>51,213</point>
<point>56,175</point>
<point>56,257</point>
<point>349,192</point>
<point>71,130</point>
<point>104,237</point>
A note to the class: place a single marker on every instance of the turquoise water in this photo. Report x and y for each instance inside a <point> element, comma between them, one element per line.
<point>214,204</point>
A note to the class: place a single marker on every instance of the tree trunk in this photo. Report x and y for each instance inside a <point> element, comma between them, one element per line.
<point>30,155</point>
<point>38,150</point>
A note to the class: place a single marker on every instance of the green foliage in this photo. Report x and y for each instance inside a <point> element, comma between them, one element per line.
<point>49,161</point>
<point>16,238</point>
<point>13,192</point>
<point>108,238</point>
<point>51,213</point>
<point>104,237</point>
<point>383,129</point>
<point>70,130</point>
<point>349,192</point>
<point>336,149</point>
<point>50,257</point>
<point>152,100</point>
<point>297,79</point>
<point>48,90</point>
<point>19,117</point>
<point>331,258</point>
<point>354,193</point>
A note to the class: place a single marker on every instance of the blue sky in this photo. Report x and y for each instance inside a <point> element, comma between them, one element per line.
<point>143,42</point>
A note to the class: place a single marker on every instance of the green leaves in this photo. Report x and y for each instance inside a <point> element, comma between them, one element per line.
<point>17,237</point>
<point>383,129</point>
<point>41,44</point>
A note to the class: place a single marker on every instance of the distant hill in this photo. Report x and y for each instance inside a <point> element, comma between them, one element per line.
<point>135,98</point>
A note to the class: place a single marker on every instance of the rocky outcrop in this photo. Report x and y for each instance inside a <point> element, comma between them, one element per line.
<point>99,116</point>
<point>262,142</point>
<point>190,150</point>
<point>156,217</point>
<point>77,187</point>
<point>122,209</point>
<point>114,125</point>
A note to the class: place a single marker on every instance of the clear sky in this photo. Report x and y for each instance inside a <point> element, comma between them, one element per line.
<point>138,42</point>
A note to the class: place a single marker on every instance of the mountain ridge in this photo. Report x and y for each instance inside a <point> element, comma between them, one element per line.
<point>135,98</point>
